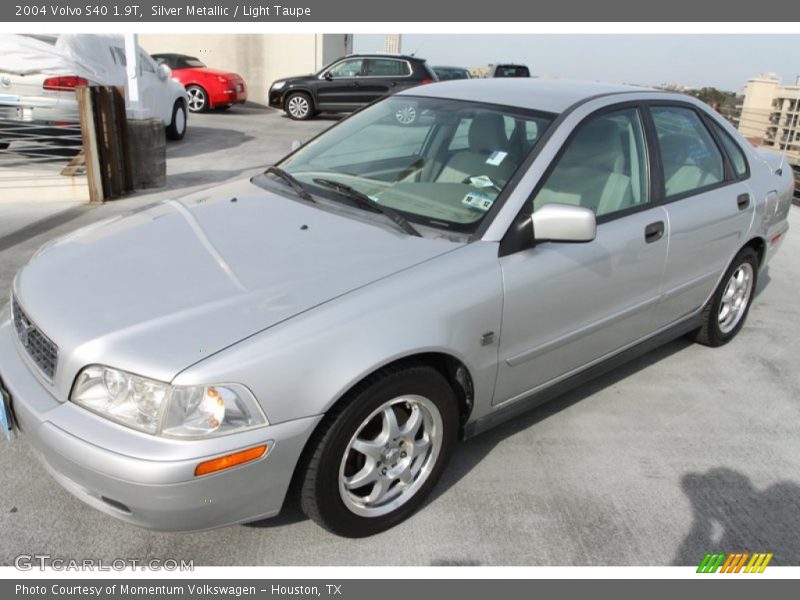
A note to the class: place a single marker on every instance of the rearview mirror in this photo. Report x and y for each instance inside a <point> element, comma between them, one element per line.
<point>296,145</point>
<point>327,76</point>
<point>564,223</point>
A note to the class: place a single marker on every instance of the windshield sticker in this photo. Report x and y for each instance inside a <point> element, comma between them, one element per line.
<point>478,201</point>
<point>481,181</point>
<point>496,158</point>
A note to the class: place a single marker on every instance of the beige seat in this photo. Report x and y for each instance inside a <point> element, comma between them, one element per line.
<point>685,168</point>
<point>591,173</point>
<point>486,135</point>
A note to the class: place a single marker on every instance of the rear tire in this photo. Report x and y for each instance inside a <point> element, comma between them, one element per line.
<point>727,310</point>
<point>299,106</point>
<point>394,432</point>
<point>177,128</point>
<point>198,98</point>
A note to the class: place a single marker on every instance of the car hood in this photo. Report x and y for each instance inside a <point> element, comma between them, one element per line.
<point>298,78</point>
<point>164,287</point>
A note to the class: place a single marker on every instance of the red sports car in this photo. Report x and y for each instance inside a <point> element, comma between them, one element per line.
<point>207,88</point>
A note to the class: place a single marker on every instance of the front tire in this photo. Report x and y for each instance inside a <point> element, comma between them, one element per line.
<point>299,106</point>
<point>726,313</point>
<point>177,128</point>
<point>379,452</point>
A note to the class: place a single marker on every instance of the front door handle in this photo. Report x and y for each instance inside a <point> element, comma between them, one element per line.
<point>654,232</point>
<point>743,201</point>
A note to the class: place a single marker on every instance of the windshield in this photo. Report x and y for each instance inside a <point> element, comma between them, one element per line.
<point>438,162</point>
<point>193,63</point>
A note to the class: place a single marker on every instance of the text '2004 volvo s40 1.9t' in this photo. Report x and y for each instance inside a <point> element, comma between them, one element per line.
<point>338,322</point>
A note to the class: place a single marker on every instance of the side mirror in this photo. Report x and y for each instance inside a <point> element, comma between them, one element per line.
<point>327,76</point>
<point>164,72</point>
<point>296,145</point>
<point>564,223</point>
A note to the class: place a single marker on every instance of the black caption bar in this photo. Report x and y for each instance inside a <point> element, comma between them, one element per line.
<point>732,588</point>
<point>443,11</point>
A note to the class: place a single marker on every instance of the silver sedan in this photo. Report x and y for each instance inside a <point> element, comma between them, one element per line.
<point>337,323</point>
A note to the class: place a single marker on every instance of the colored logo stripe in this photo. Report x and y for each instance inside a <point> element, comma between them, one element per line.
<point>734,562</point>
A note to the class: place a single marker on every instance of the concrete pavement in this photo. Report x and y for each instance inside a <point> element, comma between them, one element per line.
<point>684,451</point>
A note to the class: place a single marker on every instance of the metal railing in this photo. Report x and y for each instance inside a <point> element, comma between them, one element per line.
<point>38,127</point>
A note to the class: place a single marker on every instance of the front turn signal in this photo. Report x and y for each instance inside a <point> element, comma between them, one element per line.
<point>230,460</point>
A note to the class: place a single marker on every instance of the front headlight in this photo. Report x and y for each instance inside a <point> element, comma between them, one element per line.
<point>162,409</point>
<point>278,85</point>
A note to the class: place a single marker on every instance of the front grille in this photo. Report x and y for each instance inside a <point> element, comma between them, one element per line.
<point>39,347</point>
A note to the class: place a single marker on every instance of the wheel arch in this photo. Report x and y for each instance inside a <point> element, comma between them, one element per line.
<point>758,244</point>
<point>301,90</point>
<point>449,366</point>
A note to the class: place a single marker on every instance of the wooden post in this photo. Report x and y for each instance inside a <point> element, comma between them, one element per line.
<point>89,136</point>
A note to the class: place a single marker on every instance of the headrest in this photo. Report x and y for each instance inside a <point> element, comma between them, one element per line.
<point>487,133</point>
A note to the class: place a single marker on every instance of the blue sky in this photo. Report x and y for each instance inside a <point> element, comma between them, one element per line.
<point>724,61</point>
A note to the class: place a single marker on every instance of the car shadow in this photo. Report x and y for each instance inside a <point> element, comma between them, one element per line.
<point>729,514</point>
<point>204,140</point>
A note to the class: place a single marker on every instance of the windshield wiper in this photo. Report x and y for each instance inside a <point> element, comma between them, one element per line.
<point>292,181</point>
<point>363,201</point>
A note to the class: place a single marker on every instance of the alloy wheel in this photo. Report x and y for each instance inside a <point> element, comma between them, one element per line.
<point>735,298</point>
<point>197,99</point>
<point>391,456</point>
<point>298,107</point>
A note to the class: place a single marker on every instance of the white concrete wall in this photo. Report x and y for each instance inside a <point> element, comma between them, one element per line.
<point>259,58</point>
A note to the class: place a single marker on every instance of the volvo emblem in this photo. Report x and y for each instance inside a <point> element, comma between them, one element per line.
<point>5,81</point>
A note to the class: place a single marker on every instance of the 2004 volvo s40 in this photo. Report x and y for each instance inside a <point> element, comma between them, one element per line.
<point>338,322</point>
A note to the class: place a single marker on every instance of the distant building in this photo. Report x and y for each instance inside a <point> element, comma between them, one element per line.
<point>393,43</point>
<point>769,113</point>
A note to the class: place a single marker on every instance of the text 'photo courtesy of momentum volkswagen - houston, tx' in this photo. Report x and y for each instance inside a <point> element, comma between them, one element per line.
<point>341,320</point>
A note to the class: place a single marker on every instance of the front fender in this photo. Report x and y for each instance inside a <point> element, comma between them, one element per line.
<point>303,366</point>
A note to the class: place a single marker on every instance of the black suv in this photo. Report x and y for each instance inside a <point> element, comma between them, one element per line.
<point>349,83</point>
<point>510,70</point>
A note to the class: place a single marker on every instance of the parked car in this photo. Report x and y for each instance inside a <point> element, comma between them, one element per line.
<point>342,319</point>
<point>38,87</point>
<point>206,88</point>
<point>349,83</point>
<point>447,73</point>
<point>510,70</point>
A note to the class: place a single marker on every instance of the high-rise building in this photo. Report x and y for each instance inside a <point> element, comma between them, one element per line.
<point>392,43</point>
<point>770,112</point>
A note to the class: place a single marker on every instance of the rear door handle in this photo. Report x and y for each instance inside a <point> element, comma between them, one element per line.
<point>654,232</point>
<point>743,201</point>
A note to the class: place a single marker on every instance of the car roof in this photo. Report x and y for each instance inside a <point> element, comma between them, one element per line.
<point>383,55</point>
<point>549,95</point>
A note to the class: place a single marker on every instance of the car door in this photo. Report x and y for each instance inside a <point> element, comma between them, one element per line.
<point>383,76</point>
<point>567,305</point>
<point>709,206</point>
<point>338,89</point>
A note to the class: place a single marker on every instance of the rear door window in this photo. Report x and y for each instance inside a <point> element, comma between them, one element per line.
<point>692,161</point>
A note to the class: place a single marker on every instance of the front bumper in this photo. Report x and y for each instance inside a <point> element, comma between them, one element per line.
<point>276,99</point>
<point>142,479</point>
